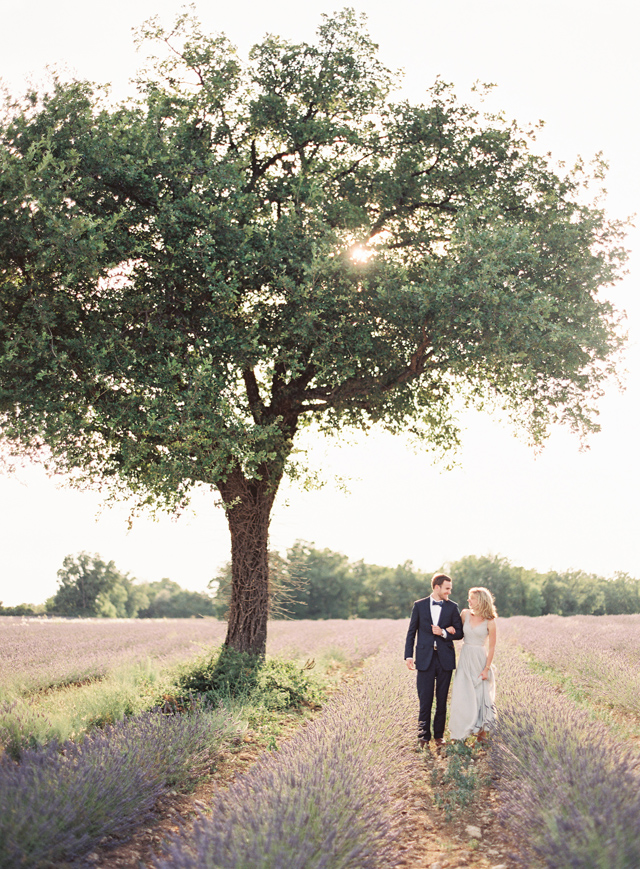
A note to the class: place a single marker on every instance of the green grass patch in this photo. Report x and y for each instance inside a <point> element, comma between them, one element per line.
<point>72,710</point>
<point>255,691</point>
<point>456,785</point>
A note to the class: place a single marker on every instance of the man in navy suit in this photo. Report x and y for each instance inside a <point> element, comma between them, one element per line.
<point>436,620</point>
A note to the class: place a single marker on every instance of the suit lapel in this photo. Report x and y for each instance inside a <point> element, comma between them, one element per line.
<point>429,610</point>
<point>443,609</point>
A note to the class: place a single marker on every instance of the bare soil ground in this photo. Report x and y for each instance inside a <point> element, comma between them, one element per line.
<point>473,838</point>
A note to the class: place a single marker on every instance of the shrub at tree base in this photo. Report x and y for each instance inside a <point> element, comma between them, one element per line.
<point>274,683</point>
<point>57,802</point>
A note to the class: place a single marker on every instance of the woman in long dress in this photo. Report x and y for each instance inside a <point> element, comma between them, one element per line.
<point>473,696</point>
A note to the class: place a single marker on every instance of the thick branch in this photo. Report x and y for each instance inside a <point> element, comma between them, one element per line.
<point>253,394</point>
<point>258,169</point>
<point>400,210</point>
<point>360,387</point>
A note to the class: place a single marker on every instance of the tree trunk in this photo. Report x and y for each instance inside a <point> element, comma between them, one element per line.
<point>249,504</point>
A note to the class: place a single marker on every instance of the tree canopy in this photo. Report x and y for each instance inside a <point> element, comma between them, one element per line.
<point>188,277</point>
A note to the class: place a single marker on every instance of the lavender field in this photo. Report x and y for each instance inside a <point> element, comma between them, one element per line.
<point>327,799</point>
<point>599,654</point>
<point>37,654</point>
<point>58,799</point>
<point>565,755</point>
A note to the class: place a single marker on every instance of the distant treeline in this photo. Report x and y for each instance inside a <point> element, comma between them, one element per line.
<point>90,587</point>
<point>320,584</point>
<point>310,583</point>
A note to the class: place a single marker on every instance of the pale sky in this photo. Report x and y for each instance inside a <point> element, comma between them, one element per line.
<point>573,64</point>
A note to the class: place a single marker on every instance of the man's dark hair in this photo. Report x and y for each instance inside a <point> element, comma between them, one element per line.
<point>439,578</point>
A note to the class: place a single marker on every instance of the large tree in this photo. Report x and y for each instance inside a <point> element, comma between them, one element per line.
<point>189,277</point>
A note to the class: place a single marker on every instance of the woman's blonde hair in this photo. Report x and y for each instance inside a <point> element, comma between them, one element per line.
<point>485,604</point>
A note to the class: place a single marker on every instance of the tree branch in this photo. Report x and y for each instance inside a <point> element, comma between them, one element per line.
<point>399,210</point>
<point>258,169</point>
<point>253,394</point>
<point>287,397</point>
<point>360,387</point>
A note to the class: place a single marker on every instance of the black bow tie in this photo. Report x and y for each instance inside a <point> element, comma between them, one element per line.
<point>437,602</point>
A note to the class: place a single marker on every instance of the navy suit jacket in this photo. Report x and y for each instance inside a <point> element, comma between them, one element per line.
<point>421,625</point>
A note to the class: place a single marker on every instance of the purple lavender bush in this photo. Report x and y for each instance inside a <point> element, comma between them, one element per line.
<point>354,639</point>
<point>570,792</point>
<point>325,800</point>
<point>589,648</point>
<point>57,802</point>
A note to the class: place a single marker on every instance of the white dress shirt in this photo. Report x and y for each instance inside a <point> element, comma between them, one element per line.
<point>435,611</point>
<point>435,616</point>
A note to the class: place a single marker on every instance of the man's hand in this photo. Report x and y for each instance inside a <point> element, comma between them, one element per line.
<point>409,663</point>
<point>437,630</point>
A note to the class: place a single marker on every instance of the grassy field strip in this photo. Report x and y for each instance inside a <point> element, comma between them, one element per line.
<point>624,724</point>
<point>60,800</point>
<point>600,655</point>
<point>570,791</point>
<point>324,800</point>
<point>138,660</point>
<point>70,711</point>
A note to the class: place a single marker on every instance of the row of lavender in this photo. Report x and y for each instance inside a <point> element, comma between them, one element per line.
<point>326,799</point>
<point>570,789</point>
<point>40,653</point>
<point>588,649</point>
<point>57,802</point>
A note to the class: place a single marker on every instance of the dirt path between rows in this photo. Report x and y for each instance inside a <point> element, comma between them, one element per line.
<point>473,838</point>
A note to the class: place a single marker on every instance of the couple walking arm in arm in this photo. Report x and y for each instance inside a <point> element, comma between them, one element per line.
<point>435,623</point>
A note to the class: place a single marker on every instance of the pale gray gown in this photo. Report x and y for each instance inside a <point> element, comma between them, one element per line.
<point>472,698</point>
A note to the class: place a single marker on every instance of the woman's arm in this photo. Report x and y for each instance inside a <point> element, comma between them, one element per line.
<point>463,616</point>
<point>492,647</point>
